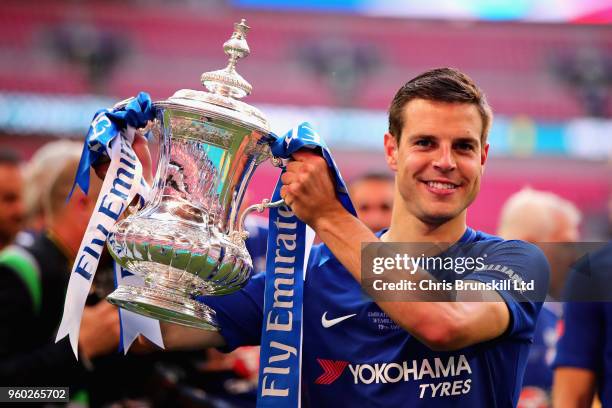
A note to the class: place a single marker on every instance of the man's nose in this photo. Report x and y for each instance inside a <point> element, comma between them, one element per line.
<point>445,161</point>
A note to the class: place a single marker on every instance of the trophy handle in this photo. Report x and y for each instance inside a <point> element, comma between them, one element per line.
<point>278,162</point>
<point>242,234</point>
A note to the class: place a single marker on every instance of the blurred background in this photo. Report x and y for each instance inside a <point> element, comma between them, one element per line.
<point>546,67</point>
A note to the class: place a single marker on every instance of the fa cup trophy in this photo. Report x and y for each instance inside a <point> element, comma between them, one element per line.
<point>188,240</point>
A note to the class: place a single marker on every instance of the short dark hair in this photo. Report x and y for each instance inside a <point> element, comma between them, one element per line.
<point>440,85</point>
<point>373,176</point>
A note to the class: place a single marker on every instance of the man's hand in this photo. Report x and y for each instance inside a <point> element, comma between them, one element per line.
<point>99,330</point>
<point>308,188</point>
<point>141,148</point>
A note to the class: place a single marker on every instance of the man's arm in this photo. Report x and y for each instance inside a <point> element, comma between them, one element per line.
<point>573,387</point>
<point>310,192</point>
<point>177,337</point>
<point>439,325</point>
<point>580,352</point>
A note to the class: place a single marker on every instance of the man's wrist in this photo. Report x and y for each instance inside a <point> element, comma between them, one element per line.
<point>332,220</point>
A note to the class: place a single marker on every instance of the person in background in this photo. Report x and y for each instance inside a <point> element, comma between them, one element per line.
<point>583,363</point>
<point>12,211</point>
<point>33,282</point>
<point>372,196</point>
<point>543,217</point>
<point>547,220</point>
<point>37,176</point>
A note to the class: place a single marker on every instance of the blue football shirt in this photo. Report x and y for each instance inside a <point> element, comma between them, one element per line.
<point>355,355</point>
<point>586,335</point>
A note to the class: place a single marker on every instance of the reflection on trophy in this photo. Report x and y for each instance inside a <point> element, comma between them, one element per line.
<point>187,240</point>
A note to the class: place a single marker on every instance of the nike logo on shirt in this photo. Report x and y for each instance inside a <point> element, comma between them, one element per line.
<point>331,322</point>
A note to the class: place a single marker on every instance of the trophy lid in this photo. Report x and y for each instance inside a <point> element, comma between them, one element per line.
<point>225,88</point>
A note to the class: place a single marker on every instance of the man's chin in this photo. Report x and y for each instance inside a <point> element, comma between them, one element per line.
<point>438,217</point>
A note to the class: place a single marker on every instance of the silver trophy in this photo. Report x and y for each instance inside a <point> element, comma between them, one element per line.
<point>187,240</point>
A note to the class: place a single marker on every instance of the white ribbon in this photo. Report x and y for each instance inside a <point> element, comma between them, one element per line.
<point>122,182</point>
<point>134,324</point>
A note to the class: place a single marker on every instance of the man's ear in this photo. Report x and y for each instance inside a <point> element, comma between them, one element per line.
<point>484,153</point>
<point>391,149</point>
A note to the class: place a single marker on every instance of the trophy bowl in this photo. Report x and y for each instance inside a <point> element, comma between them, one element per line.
<point>187,240</point>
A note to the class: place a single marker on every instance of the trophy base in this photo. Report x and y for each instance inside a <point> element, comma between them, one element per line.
<point>165,306</point>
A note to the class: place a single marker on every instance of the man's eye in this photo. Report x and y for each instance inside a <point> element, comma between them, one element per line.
<point>423,142</point>
<point>465,146</point>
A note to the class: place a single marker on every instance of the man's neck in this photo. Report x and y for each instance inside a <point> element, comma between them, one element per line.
<point>408,228</point>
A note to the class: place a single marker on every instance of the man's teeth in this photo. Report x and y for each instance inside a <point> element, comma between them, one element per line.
<point>440,186</point>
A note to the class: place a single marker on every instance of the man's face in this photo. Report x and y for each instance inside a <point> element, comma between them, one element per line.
<point>439,160</point>
<point>12,211</point>
<point>566,230</point>
<point>373,200</point>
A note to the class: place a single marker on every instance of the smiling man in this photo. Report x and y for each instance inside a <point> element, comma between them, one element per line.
<point>369,351</point>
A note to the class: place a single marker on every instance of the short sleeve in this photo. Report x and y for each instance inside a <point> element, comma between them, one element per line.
<point>581,339</point>
<point>240,314</point>
<point>516,262</point>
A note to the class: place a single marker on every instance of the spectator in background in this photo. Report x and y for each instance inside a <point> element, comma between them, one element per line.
<point>543,217</point>
<point>33,282</point>
<point>546,220</point>
<point>37,176</point>
<point>372,196</point>
<point>12,211</point>
<point>583,364</point>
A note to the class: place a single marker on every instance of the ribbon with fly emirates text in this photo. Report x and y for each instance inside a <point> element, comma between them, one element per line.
<point>289,241</point>
<point>110,137</point>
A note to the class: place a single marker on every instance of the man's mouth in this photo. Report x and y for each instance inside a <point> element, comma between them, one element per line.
<point>437,185</point>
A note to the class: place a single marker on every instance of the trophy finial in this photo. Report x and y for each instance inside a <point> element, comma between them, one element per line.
<point>227,81</point>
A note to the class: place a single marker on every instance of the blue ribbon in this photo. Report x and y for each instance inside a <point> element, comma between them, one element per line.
<point>280,355</point>
<point>304,136</point>
<point>106,126</point>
